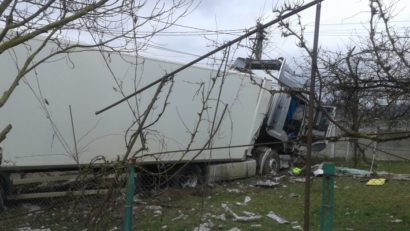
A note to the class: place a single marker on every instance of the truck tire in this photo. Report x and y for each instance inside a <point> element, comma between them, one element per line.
<point>268,160</point>
<point>191,177</point>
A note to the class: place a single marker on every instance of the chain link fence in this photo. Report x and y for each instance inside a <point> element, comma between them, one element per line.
<point>65,200</point>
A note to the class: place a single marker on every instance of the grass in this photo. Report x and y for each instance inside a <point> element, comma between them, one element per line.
<point>372,207</point>
<point>357,207</point>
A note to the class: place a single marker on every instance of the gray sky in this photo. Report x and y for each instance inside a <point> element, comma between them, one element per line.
<point>341,21</point>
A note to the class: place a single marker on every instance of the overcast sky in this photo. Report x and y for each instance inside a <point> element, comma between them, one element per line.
<point>341,21</point>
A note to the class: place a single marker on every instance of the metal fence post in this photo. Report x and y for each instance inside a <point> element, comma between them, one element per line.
<point>129,199</point>
<point>326,212</point>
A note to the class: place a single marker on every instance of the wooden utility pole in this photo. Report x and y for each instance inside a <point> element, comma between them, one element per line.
<point>258,46</point>
<point>306,219</point>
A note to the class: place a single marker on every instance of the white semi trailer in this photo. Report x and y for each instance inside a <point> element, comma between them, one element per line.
<point>226,124</point>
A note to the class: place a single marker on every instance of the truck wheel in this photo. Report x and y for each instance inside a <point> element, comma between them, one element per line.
<point>191,177</point>
<point>268,161</point>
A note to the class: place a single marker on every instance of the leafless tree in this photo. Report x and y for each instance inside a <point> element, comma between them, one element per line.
<point>368,80</point>
<point>67,26</point>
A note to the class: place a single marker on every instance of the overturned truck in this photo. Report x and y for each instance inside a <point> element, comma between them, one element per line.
<point>222,123</point>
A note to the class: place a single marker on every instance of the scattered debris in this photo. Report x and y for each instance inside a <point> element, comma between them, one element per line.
<point>394,220</point>
<point>233,190</point>
<point>137,200</point>
<point>241,218</point>
<point>153,207</point>
<point>277,218</point>
<point>376,182</point>
<point>295,225</point>
<point>202,227</point>
<point>157,213</point>
<point>399,177</point>
<point>157,209</point>
<point>353,171</point>
<point>245,201</point>
<point>180,216</point>
<point>249,214</point>
<point>397,221</point>
<point>205,226</point>
<point>190,183</point>
<point>221,217</point>
<point>30,229</point>
<point>278,178</point>
<point>256,225</point>
<point>364,173</point>
<point>266,183</point>
<point>205,216</point>
<point>294,195</point>
<point>318,172</point>
<point>298,179</point>
<point>296,171</point>
<point>164,227</point>
<point>298,227</point>
<point>317,169</point>
<point>31,208</point>
<point>234,229</point>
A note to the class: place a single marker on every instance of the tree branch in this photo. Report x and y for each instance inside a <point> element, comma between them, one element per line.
<point>4,133</point>
<point>3,6</point>
<point>57,24</point>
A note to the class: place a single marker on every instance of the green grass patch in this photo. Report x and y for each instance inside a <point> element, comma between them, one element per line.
<point>357,207</point>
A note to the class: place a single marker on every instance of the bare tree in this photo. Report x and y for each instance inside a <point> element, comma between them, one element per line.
<point>79,25</point>
<point>368,80</point>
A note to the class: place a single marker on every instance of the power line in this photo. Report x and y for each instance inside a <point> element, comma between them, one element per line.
<point>172,50</point>
<point>355,23</point>
<point>227,44</point>
<point>180,52</point>
<point>188,34</point>
<point>193,32</point>
<point>207,30</point>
